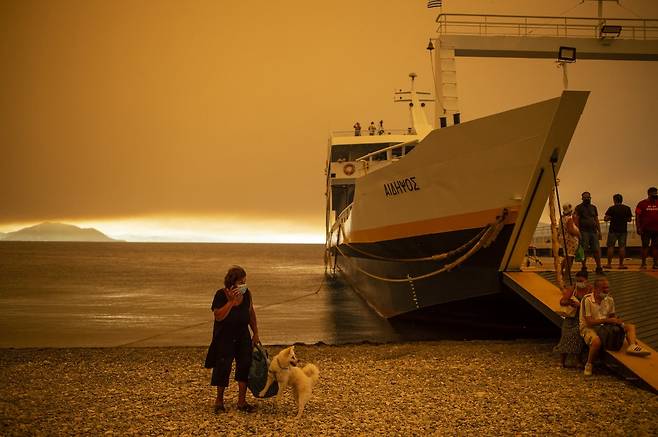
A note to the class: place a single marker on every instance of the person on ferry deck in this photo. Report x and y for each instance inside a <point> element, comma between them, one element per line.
<point>598,322</point>
<point>646,223</point>
<point>357,129</point>
<point>618,215</point>
<point>372,129</point>
<point>234,315</point>
<point>380,130</point>
<point>570,341</point>
<point>586,218</point>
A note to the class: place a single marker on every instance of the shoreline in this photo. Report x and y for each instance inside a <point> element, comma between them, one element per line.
<point>488,387</point>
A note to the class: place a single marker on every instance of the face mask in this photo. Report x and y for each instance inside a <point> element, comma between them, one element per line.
<point>581,285</point>
<point>242,288</point>
<point>653,197</point>
<point>587,201</point>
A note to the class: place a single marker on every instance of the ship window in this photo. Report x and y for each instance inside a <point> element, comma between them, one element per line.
<point>381,156</point>
<point>340,155</point>
<point>408,149</point>
<point>397,153</point>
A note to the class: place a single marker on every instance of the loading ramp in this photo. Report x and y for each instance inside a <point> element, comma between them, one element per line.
<point>636,300</point>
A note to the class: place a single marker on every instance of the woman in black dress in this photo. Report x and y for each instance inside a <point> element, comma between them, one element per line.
<point>234,314</point>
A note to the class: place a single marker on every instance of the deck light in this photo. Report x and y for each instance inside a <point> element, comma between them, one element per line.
<point>610,31</point>
<point>566,54</point>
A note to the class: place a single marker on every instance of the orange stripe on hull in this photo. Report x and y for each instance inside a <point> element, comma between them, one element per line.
<point>432,226</point>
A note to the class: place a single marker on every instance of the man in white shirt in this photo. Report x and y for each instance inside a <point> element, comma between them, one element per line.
<point>596,310</point>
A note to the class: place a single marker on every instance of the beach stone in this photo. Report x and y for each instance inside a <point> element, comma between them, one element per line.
<point>423,388</point>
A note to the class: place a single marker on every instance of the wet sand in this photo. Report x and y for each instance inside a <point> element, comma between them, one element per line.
<point>417,388</point>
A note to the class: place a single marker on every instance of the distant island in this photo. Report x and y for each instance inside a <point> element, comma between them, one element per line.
<point>56,232</point>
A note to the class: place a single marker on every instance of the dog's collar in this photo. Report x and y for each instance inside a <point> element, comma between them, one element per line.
<point>280,366</point>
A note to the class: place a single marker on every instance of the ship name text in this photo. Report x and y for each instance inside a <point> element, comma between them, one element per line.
<point>401,186</point>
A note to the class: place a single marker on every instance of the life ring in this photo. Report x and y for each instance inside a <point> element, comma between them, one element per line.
<point>349,169</point>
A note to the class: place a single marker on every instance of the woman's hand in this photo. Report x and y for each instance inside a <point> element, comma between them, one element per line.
<point>235,296</point>
<point>255,339</point>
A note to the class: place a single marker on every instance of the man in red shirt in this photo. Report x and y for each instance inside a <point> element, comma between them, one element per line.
<point>646,222</point>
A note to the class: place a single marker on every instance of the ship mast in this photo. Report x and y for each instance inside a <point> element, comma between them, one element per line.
<point>416,100</point>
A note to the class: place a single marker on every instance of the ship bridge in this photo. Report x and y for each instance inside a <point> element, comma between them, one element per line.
<point>352,156</point>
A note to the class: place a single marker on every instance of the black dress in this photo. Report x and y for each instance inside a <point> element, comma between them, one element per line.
<point>571,342</point>
<point>230,340</point>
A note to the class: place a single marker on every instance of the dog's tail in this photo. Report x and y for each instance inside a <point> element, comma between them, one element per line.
<point>311,370</point>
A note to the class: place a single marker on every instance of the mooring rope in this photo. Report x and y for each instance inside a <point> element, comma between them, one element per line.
<point>488,237</point>
<point>437,257</point>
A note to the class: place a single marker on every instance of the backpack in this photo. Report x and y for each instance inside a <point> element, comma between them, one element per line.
<point>612,336</point>
<point>257,379</point>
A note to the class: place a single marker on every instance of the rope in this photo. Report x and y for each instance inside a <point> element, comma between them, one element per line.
<point>628,9</point>
<point>572,7</point>
<point>296,298</point>
<point>206,321</point>
<point>437,257</point>
<point>564,237</point>
<point>489,236</point>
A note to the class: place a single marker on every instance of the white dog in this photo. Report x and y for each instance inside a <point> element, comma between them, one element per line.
<point>284,370</point>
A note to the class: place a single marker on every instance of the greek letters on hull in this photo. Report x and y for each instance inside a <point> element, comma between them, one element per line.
<point>401,186</point>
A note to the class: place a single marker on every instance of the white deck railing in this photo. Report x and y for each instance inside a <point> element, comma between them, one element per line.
<point>537,26</point>
<point>365,133</point>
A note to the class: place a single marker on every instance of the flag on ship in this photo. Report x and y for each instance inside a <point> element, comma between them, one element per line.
<point>434,3</point>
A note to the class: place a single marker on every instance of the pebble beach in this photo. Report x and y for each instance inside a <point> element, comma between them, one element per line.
<point>418,388</point>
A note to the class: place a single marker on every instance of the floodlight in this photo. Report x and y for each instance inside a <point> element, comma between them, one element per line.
<point>566,54</point>
<point>610,31</point>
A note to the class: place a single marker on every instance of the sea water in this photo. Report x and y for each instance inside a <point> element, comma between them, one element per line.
<point>63,294</point>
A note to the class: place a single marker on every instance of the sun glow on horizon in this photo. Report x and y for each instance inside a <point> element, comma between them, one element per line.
<point>198,230</point>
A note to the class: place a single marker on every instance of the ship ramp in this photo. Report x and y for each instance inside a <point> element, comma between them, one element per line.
<point>636,300</point>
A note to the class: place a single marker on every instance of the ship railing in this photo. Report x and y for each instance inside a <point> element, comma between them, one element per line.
<point>638,29</point>
<point>365,133</point>
<point>388,150</point>
<point>542,236</point>
<point>341,219</point>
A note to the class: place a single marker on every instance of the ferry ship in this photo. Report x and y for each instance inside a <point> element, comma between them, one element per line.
<point>422,217</point>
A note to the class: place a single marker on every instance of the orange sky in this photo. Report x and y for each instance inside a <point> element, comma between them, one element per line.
<point>211,112</point>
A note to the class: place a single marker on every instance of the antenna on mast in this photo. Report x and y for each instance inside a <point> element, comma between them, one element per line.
<point>416,100</point>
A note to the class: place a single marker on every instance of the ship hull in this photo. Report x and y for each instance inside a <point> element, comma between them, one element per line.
<point>479,186</point>
<point>478,276</point>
